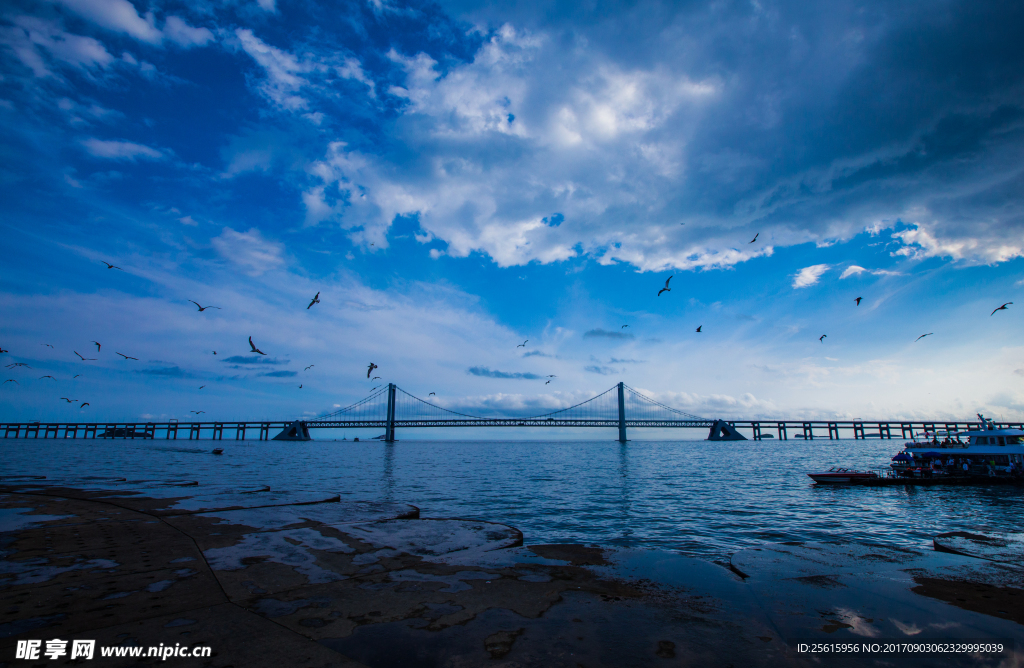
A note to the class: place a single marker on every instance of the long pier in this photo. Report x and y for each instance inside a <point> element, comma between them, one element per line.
<point>390,408</point>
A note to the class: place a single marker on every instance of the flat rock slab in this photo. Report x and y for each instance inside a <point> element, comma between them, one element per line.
<point>1003,547</point>
<point>435,538</point>
<point>180,504</point>
<point>851,592</point>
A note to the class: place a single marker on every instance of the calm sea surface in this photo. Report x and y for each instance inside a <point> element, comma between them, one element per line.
<point>706,499</point>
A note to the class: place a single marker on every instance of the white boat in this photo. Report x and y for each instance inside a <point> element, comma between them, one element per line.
<point>986,451</point>
<point>837,475</point>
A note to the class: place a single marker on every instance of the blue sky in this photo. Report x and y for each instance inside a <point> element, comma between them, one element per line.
<point>456,178</point>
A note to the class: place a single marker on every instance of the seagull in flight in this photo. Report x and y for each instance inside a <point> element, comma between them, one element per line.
<point>110,266</point>
<point>755,237</point>
<point>11,366</point>
<point>127,357</point>
<point>1001,308</point>
<point>46,344</point>
<point>666,288</point>
<point>523,344</point>
<point>11,380</point>
<point>214,352</point>
<point>546,382</point>
<point>922,336</point>
<point>203,308</point>
<point>822,338</point>
<point>300,386</point>
<point>4,351</point>
<point>624,327</point>
<point>375,378</point>
<point>197,412</point>
<point>431,395</point>
<point>201,386</point>
<point>858,300</point>
<point>254,348</point>
<point>315,300</point>
<point>551,376</point>
<point>41,377</point>
<point>309,367</point>
<point>75,376</point>
<point>98,345</point>
<point>370,369</point>
<point>69,400</point>
<point>698,328</point>
<point>84,359</point>
<point>84,404</point>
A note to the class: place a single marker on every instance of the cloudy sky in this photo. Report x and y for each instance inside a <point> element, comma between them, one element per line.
<point>457,178</point>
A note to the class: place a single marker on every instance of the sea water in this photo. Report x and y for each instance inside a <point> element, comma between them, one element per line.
<point>701,498</point>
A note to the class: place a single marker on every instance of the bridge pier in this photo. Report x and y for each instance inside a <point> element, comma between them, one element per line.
<point>389,430</point>
<point>622,413</point>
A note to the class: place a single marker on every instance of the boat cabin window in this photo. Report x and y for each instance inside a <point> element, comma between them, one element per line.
<point>1001,441</point>
<point>1013,440</point>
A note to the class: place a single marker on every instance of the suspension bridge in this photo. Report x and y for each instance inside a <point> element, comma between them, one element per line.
<point>390,408</point>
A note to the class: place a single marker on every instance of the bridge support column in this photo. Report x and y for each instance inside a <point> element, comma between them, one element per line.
<point>389,432</point>
<point>622,413</point>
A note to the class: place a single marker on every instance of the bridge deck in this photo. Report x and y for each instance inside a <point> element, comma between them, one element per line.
<point>755,429</point>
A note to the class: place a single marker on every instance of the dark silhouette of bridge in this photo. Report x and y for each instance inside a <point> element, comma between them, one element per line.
<point>390,408</point>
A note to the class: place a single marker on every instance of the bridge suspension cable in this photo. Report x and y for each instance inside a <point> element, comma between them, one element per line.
<point>641,407</point>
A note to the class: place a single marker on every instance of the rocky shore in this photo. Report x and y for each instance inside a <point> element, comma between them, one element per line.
<point>275,578</point>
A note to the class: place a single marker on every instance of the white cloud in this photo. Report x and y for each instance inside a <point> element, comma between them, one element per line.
<point>182,34</point>
<point>120,150</point>
<point>284,70</point>
<point>852,270</point>
<point>249,250</point>
<point>29,34</point>
<point>117,15</point>
<point>975,245</point>
<point>808,276</point>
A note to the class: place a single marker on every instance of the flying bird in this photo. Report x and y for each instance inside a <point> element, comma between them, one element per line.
<point>110,266</point>
<point>822,338</point>
<point>624,327</point>
<point>370,369</point>
<point>75,376</point>
<point>922,336</point>
<point>201,386</point>
<point>666,288</point>
<point>15,364</point>
<point>84,359</point>
<point>698,328</point>
<point>254,348</point>
<point>315,300</point>
<point>431,395</point>
<point>214,352</point>
<point>127,357</point>
<point>46,344</point>
<point>97,345</point>
<point>546,382</point>
<point>551,376</point>
<point>41,377</point>
<point>300,386</point>
<point>523,344</point>
<point>203,308</point>
<point>4,351</point>
<point>755,237</point>
<point>84,404</point>
<point>309,367</point>
<point>197,412</point>
<point>11,380</point>
<point>375,378</point>
<point>69,400</point>
<point>858,300</point>
<point>1001,308</point>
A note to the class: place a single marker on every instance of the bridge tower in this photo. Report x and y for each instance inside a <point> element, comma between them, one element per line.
<point>389,430</point>
<point>622,413</point>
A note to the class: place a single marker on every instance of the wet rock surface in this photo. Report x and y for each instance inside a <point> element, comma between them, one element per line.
<point>271,578</point>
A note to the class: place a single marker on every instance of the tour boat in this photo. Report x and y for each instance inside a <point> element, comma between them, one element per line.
<point>840,475</point>
<point>987,451</point>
